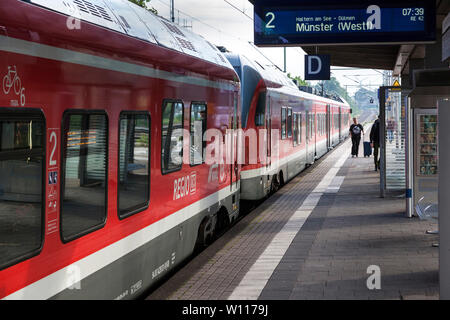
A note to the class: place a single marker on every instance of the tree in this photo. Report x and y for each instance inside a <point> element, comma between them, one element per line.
<point>299,80</point>
<point>333,86</point>
<point>143,4</point>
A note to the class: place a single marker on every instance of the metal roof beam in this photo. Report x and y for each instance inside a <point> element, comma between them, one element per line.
<point>402,57</point>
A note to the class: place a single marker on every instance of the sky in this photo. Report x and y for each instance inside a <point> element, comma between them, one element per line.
<point>229,23</point>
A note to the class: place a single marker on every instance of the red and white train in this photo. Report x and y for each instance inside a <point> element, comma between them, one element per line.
<point>95,200</point>
<point>295,127</point>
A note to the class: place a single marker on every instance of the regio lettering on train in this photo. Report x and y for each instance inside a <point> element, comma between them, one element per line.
<point>184,186</point>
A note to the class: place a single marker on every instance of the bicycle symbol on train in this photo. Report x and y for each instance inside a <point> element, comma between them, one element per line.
<point>12,80</point>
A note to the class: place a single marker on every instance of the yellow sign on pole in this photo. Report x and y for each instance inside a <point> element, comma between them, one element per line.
<point>396,86</point>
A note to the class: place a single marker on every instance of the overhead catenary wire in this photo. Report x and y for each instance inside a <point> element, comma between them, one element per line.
<point>232,5</point>
<point>200,21</point>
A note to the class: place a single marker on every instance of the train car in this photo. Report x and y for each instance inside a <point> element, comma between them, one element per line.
<point>321,129</point>
<point>103,188</point>
<point>286,128</point>
<point>345,120</point>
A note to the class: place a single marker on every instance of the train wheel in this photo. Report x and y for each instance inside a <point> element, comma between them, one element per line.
<point>275,185</point>
<point>223,221</point>
<point>281,179</point>
<point>205,232</point>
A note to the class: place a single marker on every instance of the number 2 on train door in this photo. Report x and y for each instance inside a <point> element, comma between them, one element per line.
<point>53,179</point>
<point>53,143</point>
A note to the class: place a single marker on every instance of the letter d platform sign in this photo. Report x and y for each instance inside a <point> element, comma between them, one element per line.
<point>317,67</point>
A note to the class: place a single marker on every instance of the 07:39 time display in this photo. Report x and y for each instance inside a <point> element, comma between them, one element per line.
<point>413,11</point>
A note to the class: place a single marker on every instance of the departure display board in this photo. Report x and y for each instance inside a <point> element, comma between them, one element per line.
<point>316,22</point>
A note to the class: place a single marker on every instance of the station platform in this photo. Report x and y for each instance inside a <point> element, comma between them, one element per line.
<point>315,239</point>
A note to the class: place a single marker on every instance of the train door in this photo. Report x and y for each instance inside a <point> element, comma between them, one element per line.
<point>328,127</point>
<point>340,125</point>
<point>310,145</point>
<point>334,133</point>
<point>268,132</point>
<point>307,144</point>
<point>234,146</point>
<point>314,119</point>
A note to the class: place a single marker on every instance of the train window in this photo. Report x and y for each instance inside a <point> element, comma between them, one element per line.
<point>22,155</point>
<point>300,128</point>
<point>314,123</point>
<point>172,136</point>
<point>238,71</point>
<point>308,118</point>
<point>320,124</point>
<point>307,125</point>
<point>323,124</point>
<point>310,126</point>
<point>134,163</point>
<point>260,110</point>
<point>198,129</point>
<point>84,173</point>
<point>295,140</point>
<point>289,123</point>
<point>283,123</point>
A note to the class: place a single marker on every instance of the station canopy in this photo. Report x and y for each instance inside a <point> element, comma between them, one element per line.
<point>352,40</point>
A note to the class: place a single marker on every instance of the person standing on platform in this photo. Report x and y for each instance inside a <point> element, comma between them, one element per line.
<point>375,142</point>
<point>355,132</point>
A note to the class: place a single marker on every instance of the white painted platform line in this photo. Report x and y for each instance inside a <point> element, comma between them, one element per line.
<point>256,278</point>
<point>335,184</point>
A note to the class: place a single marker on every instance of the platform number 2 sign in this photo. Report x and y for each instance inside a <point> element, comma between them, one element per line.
<point>271,17</point>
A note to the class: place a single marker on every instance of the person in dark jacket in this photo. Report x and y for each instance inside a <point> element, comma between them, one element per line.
<point>375,142</point>
<point>355,131</point>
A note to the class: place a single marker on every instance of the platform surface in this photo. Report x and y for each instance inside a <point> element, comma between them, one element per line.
<point>319,237</point>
